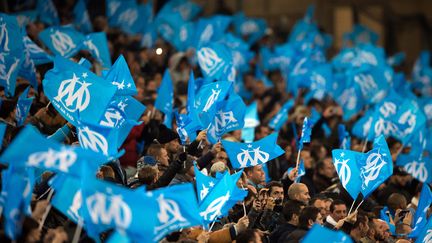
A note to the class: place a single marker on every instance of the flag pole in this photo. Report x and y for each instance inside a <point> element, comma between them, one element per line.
<point>208,127</point>
<point>297,162</point>
<point>47,210</point>
<point>77,233</point>
<point>359,205</point>
<point>352,205</point>
<point>364,145</point>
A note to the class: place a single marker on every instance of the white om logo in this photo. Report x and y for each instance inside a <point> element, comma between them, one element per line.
<point>76,92</point>
<point>258,156</point>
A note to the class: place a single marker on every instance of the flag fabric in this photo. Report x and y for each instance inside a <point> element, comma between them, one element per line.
<point>214,59</point>
<point>301,171</point>
<point>99,139</point>
<point>25,17</point>
<point>250,122</point>
<point>68,196</point>
<point>3,127</point>
<point>165,98</point>
<point>97,44</point>
<point>62,40</point>
<point>420,217</point>
<point>27,70</point>
<point>73,89</point>
<point>345,163</point>
<point>320,233</point>
<point>244,155</point>
<point>418,166</point>
<point>426,234</point>
<point>384,216</point>
<point>221,198</point>
<point>210,29</point>
<point>120,76</point>
<point>48,154</point>
<point>250,28</point>
<point>187,125</point>
<point>47,12</point>
<point>118,237</point>
<point>23,107</point>
<point>37,54</point>
<point>81,17</point>
<point>11,55</point>
<point>397,59</point>
<point>344,137</point>
<point>361,35</point>
<point>204,183</point>
<point>306,132</point>
<point>281,117</point>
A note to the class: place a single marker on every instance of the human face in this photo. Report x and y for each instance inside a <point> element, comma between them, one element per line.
<point>327,206</point>
<point>307,158</point>
<point>319,219</point>
<point>173,146</point>
<point>339,212</point>
<point>320,204</point>
<point>222,156</point>
<point>381,229</point>
<point>163,158</point>
<point>303,195</point>
<point>277,193</point>
<point>328,169</point>
<point>257,175</point>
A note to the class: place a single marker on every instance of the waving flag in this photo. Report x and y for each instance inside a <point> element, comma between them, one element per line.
<point>418,166</point>
<point>27,70</point>
<point>375,166</point>
<point>73,89</point>
<point>345,163</point>
<point>301,171</point>
<point>131,107</point>
<point>23,107</point>
<point>97,44</point>
<point>187,9</point>
<point>251,28</point>
<point>204,184</point>
<point>48,154</point>
<point>25,17</point>
<point>37,54</point>
<point>64,40</point>
<point>118,237</point>
<point>306,132</point>
<point>210,29</point>
<point>81,17</point>
<point>68,196</point>
<point>126,15</point>
<point>361,35</point>
<point>244,155</point>
<point>420,217</point>
<point>251,121</point>
<point>3,127</point>
<point>47,12</point>
<point>187,125</point>
<point>165,98</point>
<point>320,233</point>
<point>214,59</point>
<point>208,98</point>
<point>397,59</point>
<point>221,198</point>
<point>229,117</point>
<point>281,117</point>
<point>99,139</point>
<point>11,55</point>
<point>426,235</point>
<point>120,76</point>
<point>344,137</point>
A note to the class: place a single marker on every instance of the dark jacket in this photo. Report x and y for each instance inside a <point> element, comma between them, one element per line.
<point>285,228</point>
<point>294,237</point>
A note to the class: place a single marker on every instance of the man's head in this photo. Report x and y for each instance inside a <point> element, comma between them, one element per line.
<point>148,174</point>
<point>380,230</point>
<point>397,201</point>
<point>319,202</point>
<point>159,153</point>
<point>309,216</point>
<point>291,211</point>
<point>255,174</point>
<point>261,131</point>
<point>276,191</point>
<point>338,210</point>
<point>326,168</point>
<point>221,156</point>
<point>249,236</point>
<point>299,192</point>
<point>361,224</point>
<point>307,158</point>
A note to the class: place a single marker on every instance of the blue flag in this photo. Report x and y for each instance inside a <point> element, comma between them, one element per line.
<point>384,216</point>
<point>37,54</point>
<point>281,117</point>
<point>375,166</point>
<point>27,70</point>
<point>23,107</point>
<point>204,184</point>
<point>81,17</point>
<point>301,171</point>
<point>165,98</point>
<point>64,40</point>
<point>361,35</point>
<point>420,217</point>
<point>418,166</point>
<point>120,76</point>
<point>251,121</point>
<point>73,89</point>
<point>345,163</point>
<point>186,9</point>
<point>210,29</point>
<point>68,196</point>
<point>127,15</point>
<point>397,59</point>
<point>426,234</point>
<point>119,237</point>
<point>320,233</point>
<point>48,154</point>
<point>250,154</point>
<point>306,132</point>
<point>208,97</point>
<point>11,55</point>
<point>344,137</point>
<point>3,127</point>
<point>214,59</point>
<point>97,44</point>
<point>252,29</point>
<point>187,125</point>
<point>25,17</point>
<point>47,12</point>
<point>221,198</point>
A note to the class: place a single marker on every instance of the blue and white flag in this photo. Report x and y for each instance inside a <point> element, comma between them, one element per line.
<point>187,125</point>
<point>28,70</point>
<point>397,59</point>
<point>210,29</point>
<point>81,17</point>
<point>186,9</point>
<point>244,155</point>
<point>229,117</point>
<point>320,233</point>
<point>252,29</point>
<point>120,76</point>
<point>99,139</point>
<point>214,59</point>
<point>420,216</point>
<point>131,107</point>
<point>426,234</point>
<point>62,40</point>
<point>74,90</point>
<point>375,166</point>
<point>47,12</point>
<point>68,196</point>
<point>301,171</point>
<point>11,55</point>
<point>48,154</point>
<point>97,44</point>
<point>221,198</point>
<point>37,54</point>
<point>251,121</point>
<point>204,183</point>
<point>208,97</point>
<point>178,209</point>
<point>306,132</point>
<point>3,127</point>
<point>345,163</point>
<point>126,15</point>
<point>418,166</point>
<point>165,97</point>
<point>23,107</point>
<point>25,17</point>
<point>281,117</point>
<point>361,35</point>
<point>344,137</point>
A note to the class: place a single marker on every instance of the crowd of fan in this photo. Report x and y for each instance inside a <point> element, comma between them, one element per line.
<point>276,211</point>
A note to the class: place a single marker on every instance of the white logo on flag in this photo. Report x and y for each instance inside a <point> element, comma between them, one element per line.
<point>366,83</point>
<point>76,206</point>
<point>223,119</point>
<point>387,109</point>
<point>7,75</point>
<point>428,237</point>
<point>367,57</point>
<point>428,111</point>
<point>203,192</point>
<point>249,27</point>
<point>112,118</point>
<point>183,34</point>
<point>208,60</point>
<point>92,140</point>
<point>371,170</point>
<point>418,170</point>
<point>61,160</point>
<point>258,156</point>
<point>206,34</point>
<point>62,42</point>
<point>212,99</point>
<point>348,99</point>
<point>113,6</point>
<point>92,48</point>
<point>76,92</point>
<point>385,127</point>
<point>343,171</point>
<point>213,210</point>
<point>128,17</point>
<point>169,213</point>
<point>410,118</point>
<point>109,209</point>
<point>4,37</point>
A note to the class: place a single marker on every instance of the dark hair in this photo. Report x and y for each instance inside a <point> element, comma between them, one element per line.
<point>316,198</point>
<point>361,218</point>
<point>272,184</point>
<point>246,236</point>
<point>290,208</point>
<point>336,202</point>
<point>308,213</point>
<point>147,174</point>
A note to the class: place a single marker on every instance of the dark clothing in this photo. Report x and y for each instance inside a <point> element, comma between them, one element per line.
<point>285,228</point>
<point>391,188</point>
<point>271,219</point>
<point>321,182</point>
<point>293,237</point>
